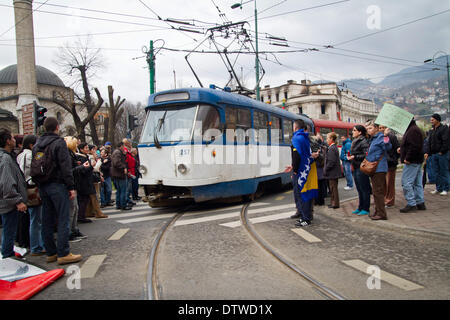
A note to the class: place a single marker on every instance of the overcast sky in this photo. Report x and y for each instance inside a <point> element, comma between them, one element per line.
<point>123,34</point>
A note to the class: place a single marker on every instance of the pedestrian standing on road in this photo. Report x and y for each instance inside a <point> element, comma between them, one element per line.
<point>378,146</point>
<point>78,170</point>
<point>131,173</point>
<point>57,188</point>
<point>411,155</point>
<point>320,162</point>
<point>392,159</point>
<point>106,188</point>
<point>13,192</point>
<point>429,160</point>
<point>86,183</point>
<point>345,150</point>
<point>135,181</point>
<point>35,212</point>
<point>119,176</point>
<point>358,151</point>
<point>439,146</point>
<point>304,173</point>
<point>332,169</point>
<point>93,209</point>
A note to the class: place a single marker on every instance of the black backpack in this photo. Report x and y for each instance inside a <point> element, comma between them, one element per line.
<point>42,164</point>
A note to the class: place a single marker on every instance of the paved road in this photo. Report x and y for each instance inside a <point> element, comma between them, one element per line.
<point>208,255</point>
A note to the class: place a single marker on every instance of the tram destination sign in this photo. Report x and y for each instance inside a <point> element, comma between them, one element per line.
<point>394,118</point>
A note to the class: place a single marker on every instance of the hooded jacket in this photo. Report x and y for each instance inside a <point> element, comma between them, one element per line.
<point>411,148</point>
<point>13,189</point>
<point>359,149</point>
<point>346,146</point>
<point>377,149</point>
<point>60,155</point>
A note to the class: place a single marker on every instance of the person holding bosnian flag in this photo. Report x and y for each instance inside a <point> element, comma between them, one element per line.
<point>304,173</point>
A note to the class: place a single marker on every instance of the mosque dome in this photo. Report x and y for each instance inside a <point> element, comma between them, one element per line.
<point>8,75</point>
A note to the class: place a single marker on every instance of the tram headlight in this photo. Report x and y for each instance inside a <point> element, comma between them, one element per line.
<point>182,168</point>
<point>143,169</point>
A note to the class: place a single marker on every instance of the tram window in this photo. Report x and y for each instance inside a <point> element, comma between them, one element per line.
<point>287,131</point>
<point>275,131</point>
<point>238,121</point>
<point>260,124</point>
<point>341,132</point>
<point>324,131</point>
<point>208,120</point>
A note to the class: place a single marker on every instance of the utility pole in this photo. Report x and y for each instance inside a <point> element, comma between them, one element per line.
<point>256,55</point>
<point>151,67</point>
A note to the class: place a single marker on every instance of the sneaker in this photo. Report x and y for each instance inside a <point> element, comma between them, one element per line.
<point>73,238</point>
<point>79,235</point>
<point>126,208</point>
<point>70,258</point>
<point>408,208</point>
<point>421,206</point>
<point>356,211</point>
<point>434,192</point>
<point>348,188</point>
<point>443,193</point>
<point>363,213</point>
<point>302,223</point>
<point>52,258</point>
<point>84,220</point>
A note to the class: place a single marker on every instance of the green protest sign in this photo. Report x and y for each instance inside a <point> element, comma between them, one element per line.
<point>394,118</point>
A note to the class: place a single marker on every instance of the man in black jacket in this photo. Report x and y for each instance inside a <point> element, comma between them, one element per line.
<point>438,146</point>
<point>411,155</point>
<point>55,193</point>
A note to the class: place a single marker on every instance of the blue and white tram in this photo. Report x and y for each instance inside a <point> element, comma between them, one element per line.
<point>202,144</point>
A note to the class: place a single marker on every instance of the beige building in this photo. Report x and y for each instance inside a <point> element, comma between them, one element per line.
<point>320,101</point>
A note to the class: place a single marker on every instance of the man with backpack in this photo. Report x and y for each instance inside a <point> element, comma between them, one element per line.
<point>51,169</point>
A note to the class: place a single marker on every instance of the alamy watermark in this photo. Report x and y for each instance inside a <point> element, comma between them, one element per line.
<point>374,19</point>
<point>374,281</point>
<point>74,280</point>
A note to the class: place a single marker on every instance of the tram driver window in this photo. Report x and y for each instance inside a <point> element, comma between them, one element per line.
<point>275,132</point>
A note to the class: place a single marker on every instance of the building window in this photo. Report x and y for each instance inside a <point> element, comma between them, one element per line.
<point>262,98</point>
<point>277,97</point>
<point>322,109</point>
<point>300,110</point>
<point>285,95</point>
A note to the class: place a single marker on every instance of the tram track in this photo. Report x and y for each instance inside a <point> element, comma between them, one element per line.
<point>320,287</point>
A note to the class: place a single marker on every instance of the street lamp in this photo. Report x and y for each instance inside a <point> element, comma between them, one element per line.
<point>448,78</point>
<point>239,5</point>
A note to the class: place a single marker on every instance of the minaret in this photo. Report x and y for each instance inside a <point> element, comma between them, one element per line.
<point>26,63</point>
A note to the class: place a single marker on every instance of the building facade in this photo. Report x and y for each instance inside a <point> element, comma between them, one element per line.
<point>320,101</point>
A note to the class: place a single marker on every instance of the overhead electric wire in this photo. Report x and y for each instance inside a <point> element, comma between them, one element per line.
<point>391,28</point>
<point>23,18</point>
<point>304,9</point>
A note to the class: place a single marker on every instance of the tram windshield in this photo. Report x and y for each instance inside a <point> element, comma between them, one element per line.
<point>175,124</point>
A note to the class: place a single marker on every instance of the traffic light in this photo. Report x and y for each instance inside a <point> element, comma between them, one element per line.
<point>132,122</point>
<point>39,114</point>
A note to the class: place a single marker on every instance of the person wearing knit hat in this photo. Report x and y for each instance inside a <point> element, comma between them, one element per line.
<point>438,144</point>
<point>437,117</point>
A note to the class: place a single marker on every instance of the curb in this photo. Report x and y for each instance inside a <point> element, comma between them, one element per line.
<point>379,224</point>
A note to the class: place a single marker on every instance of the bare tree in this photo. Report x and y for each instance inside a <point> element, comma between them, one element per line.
<point>115,112</point>
<point>136,110</point>
<point>85,61</point>
<point>69,105</point>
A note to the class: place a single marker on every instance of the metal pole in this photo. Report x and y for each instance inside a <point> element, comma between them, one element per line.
<point>448,85</point>
<point>256,57</point>
<point>151,65</point>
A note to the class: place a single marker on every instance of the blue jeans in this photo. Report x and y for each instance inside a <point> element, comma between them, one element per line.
<point>430,170</point>
<point>36,242</point>
<point>105,191</point>
<point>362,182</point>
<point>56,207</point>
<point>303,207</point>
<point>348,173</point>
<point>10,221</point>
<point>412,184</point>
<point>121,192</point>
<point>440,167</point>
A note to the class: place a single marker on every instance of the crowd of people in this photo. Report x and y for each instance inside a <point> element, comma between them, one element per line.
<point>369,161</point>
<point>52,184</point>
